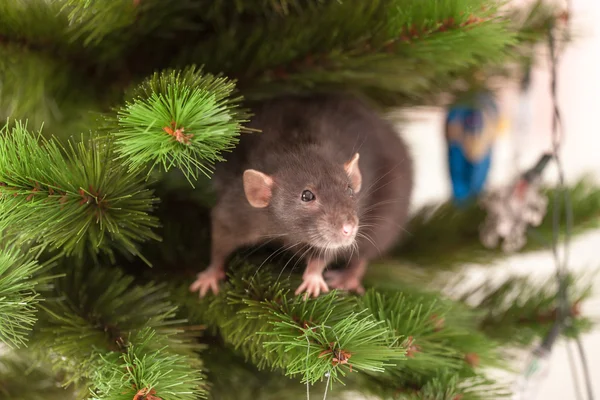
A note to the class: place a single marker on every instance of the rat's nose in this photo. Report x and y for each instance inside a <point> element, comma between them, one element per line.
<point>347,229</point>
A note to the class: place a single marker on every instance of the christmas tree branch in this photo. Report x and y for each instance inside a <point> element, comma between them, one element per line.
<point>115,337</point>
<point>399,340</point>
<point>23,377</point>
<point>77,199</point>
<point>18,298</point>
<point>45,75</point>
<point>182,119</point>
<point>436,332</point>
<point>275,330</point>
<point>444,229</point>
<point>143,369</point>
<point>519,312</point>
<point>390,37</point>
<point>37,88</point>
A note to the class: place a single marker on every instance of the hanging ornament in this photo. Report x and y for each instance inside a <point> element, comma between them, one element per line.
<point>471,126</point>
<point>513,209</point>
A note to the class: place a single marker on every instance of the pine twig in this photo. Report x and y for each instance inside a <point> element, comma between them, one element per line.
<point>179,119</point>
<point>444,229</point>
<point>18,298</point>
<point>77,199</point>
<point>104,331</point>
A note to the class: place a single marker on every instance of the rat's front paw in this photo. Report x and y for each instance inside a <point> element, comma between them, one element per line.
<point>313,285</point>
<point>208,279</point>
<point>344,280</point>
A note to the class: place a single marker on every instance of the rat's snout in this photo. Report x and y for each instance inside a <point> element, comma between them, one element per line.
<point>348,228</point>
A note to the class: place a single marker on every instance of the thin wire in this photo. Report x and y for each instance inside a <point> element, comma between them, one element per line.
<point>586,370</point>
<point>574,376</point>
<point>564,312</point>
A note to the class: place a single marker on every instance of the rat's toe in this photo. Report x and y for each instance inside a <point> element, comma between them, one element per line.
<point>206,280</point>
<point>313,285</point>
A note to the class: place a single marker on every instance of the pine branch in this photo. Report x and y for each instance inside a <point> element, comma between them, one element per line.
<point>93,20</point>
<point>395,46</point>
<point>440,335</point>
<point>97,308</point>
<point>96,322</point>
<point>33,23</point>
<point>517,311</point>
<point>145,370</point>
<point>77,199</point>
<point>179,119</point>
<point>23,377</point>
<point>444,229</point>
<point>38,88</point>
<point>231,378</point>
<point>257,316</point>
<point>47,78</point>
<point>123,29</point>
<point>533,22</point>
<point>18,298</point>
<point>393,340</point>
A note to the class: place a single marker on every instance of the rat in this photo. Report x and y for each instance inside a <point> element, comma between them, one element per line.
<point>326,176</point>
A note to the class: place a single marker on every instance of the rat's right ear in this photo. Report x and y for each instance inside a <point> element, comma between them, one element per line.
<point>353,172</point>
<point>258,188</point>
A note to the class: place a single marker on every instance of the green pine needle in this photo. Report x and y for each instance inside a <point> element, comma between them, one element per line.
<point>179,119</point>
<point>17,297</point>
<point>77,199</point>
<point>142,367</point>
<point>93,20</point>
<point>453,232</point>
<point>94,310</point>
<point>519,312</point>
<point>315,352</point>
<point>23,377</point>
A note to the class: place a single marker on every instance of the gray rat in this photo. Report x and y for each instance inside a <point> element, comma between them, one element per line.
<point>326,176</point>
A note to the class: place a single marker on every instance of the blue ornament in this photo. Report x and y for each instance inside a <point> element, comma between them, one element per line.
<point>470,130</point>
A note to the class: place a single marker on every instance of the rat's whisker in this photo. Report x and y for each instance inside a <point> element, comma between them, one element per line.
<point>263,244</point>
<point>279,251</point>
<point>367,237</point>
<point>386,221</point>
<point>380,204</point>
<point>361,226</point>
<point>383,185</point>
<point>301,258</point>
<point>367,190</point>
<point>291,258</point>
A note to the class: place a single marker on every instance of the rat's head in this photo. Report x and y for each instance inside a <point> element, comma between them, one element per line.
<point>312,198</point>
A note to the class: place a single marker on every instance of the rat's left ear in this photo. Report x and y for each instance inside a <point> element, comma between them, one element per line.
<point>353,172</point>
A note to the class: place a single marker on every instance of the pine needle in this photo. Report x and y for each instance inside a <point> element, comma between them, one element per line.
<point>18,298</point>
<point>179,119</point>
<point>76,199</point>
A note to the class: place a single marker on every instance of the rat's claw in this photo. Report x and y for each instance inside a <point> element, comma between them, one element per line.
<point>344,280</point>
<point>208,279</point>
<point>313,285</point>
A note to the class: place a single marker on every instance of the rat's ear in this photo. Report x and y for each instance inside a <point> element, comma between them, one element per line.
<point>258,188</point>
<point>353,172</point>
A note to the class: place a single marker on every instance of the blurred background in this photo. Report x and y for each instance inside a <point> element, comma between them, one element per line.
<point>579,96</point>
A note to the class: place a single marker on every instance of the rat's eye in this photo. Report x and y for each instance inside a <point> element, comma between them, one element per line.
<point>307,195</point>
<point>349,191</point>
